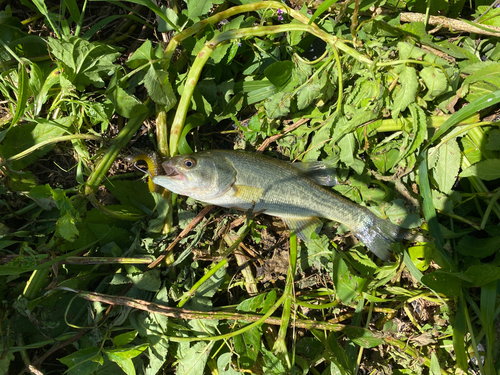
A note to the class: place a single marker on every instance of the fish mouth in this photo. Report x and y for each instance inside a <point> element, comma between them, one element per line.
<point>171,171</point>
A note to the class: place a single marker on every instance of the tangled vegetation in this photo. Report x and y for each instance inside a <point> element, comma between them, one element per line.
<point>100,273</point>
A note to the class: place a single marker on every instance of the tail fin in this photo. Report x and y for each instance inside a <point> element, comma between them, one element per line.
<point>378,235</point>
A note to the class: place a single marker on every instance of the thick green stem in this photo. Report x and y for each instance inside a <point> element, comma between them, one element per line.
<point>110,155</point>
<point>390,125</point>
<point>280,344</point>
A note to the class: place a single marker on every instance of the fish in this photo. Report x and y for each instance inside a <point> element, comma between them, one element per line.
<point>297,193</point>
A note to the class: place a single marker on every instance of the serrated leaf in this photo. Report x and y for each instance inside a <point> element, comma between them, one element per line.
<point>197,8</point>
<point>308,93</point>
<point>493,140</point>
<point>278,105</point>
<point>149,281</point>
<point>125,104</point>
<point>159,88</point>
<point>419,131</point>
<point>348,147</point>
<point>194,360</point>
<point>409,51</point>
<point>22,98</point>
<point>487,170</point>
<point>435,81</point>
<point>66,227</point>
<point>408,91</point>
<point>86,62</point>
<point>201,300</point>
<point>448,165</point>
<point>272,365</point>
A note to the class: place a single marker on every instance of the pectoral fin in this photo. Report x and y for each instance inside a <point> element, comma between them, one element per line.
<point>247,193</point>
<point>303,227</point>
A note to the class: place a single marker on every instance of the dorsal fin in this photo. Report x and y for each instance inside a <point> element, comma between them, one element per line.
<point>322,172</point>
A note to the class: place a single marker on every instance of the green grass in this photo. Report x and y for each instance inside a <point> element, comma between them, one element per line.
<point>98,274</point>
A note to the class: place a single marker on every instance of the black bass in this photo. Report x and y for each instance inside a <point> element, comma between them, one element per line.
<point>293,192</point>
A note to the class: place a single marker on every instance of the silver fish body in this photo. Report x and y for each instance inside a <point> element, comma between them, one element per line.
<point>243,180</point>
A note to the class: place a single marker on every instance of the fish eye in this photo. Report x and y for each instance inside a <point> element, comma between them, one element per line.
<point>189,163</point>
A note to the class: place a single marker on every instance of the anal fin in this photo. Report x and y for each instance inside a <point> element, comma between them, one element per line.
<point>303,227</point>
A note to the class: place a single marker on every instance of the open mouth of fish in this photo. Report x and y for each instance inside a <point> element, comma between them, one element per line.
<point>171,171</point>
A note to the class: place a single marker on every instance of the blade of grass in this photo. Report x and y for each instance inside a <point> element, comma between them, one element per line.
<point>469,110</point>
<point>488,299</point>
<point>42,8</point>
<point>430,211</point>
<point>22,98</point>
<point>321,9</point>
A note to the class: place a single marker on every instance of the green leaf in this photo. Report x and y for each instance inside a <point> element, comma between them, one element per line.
<point>348,147</point>
<point>22,99</point>
<point>66,227</point>
<point>194,360</point>
<point>309,93</point>
<point>85,62</point>
<point>197,8</point>
<point>84,361</point>
<point>478,247</point>
<point>125,104</point>
<point>482,274</point>
<point>261,302</point>
<point>469,110</point>
<point>435,80</point>
<point>430,211</point>
<point>247,345</point>
<point>159,88</point>
<point>363,337</point>
<point>225,366</point>
<point>279,72</point>
<point>124,338</point>
<point>272,365</point>
<point>443,282</point>
<point>152,6</point>
<point>487,170</point>
<point>323,7</point>
<point>123,357</point>
<point>142,55</point>
<point>278,105</point>
<point>408,91</point>
<point>149,280</point>
<point>448,165</point>
<point>27,135</point>
<point>348,286</point>
<point>419,131</point>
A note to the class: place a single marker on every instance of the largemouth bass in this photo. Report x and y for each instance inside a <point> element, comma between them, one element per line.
<point>293,192</point>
